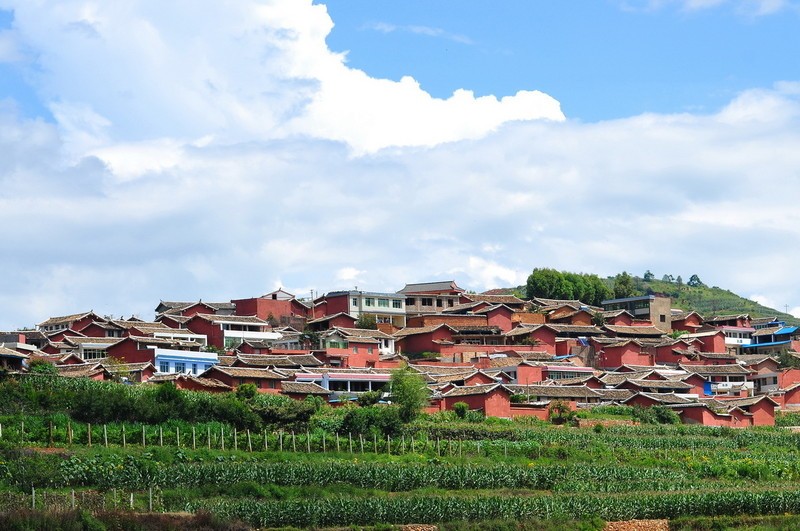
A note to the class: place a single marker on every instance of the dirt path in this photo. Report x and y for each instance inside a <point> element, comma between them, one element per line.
<point>638,525</point>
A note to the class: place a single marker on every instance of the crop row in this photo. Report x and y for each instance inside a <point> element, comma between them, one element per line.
<point>432,509</point>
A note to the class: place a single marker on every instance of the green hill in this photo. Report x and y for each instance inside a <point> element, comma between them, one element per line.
<point>705,300</point>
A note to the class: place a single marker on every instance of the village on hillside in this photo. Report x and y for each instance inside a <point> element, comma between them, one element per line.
<point>501,355</point>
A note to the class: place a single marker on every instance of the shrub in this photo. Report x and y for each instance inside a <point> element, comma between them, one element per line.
<point>461,409</point>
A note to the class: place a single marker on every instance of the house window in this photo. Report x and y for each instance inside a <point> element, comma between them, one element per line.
<point>397,304</point>
<point>369,350</point>
<point>426,301</point>
<point>438,303</point>
<point>194,368</point>
<point>93,353</point>
<point>163,366</point>
<point>662,318</point>
<point>369,301</point>
<point>411,301</point>
<point>383,303</point>
<point>355,302</point>
<point>355,350</point>
<point>180,367</point>
<point>450,303</point>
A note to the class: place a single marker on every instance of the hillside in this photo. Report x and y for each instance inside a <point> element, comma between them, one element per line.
<point>705,300</point>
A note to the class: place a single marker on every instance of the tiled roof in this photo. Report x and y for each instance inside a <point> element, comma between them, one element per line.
<point>766,331</point>
<point>635,330</point>
<point>362,332</point>
<point>617,395</point>
<point>495,299</point>
<point>303,388</point>
<point>408,331</point>
<point>204,382</point>
<point>10,353</point>
<point>554,391</point>
<point>65,319</point>
<point>267,360</point>
<point>108,341</point>
<point>660,384</point>
<point>247,372</point>
<point>469,390</point>
<point>575,329</point>
<point>665,398</point>
<point>429,287</point>
<point>616,378</point>
<point>731,368</point>
<point>244,319</point>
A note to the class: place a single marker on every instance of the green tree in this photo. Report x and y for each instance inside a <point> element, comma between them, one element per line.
<point>679,282</point>
<point>694,281</point>
<point>623,286</point>
<point>40,366</point>
<point>648,276</point>
<point>544,282</point>
<point>667,278</point>
<point>246,391</point>
<point>461,409</point>
<point>367,321</point>
<point>409,392</point>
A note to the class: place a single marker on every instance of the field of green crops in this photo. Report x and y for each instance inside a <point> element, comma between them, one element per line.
<point>430,473</point>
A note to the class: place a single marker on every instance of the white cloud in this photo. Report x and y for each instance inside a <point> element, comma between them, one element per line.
<point>184,167</point>
<point>385,27</point>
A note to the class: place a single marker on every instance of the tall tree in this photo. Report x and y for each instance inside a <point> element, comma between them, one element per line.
<point>544,282</point>
<point>410,392</point>
<point>694,281</point>
<point>367,321</point>
<point>623,286</point>
<point>648,276</point>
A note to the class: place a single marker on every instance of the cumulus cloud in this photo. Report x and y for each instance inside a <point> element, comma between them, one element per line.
<point>182,167</point>
<point>743,7</point>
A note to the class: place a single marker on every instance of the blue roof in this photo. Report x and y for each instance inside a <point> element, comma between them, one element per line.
<point>786,330</point>
<point>770,344</point>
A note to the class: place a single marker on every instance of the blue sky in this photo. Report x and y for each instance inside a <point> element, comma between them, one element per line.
<point>154,150</point>
<point>600,60</point>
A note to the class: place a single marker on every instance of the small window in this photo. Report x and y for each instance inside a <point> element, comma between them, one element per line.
<point>450,303</point>
<point>163,366</point>
<point>355,302</point>
<point>383,303</point>
<point>194,368</point>
<point>438,303</point>
<point>662,318</point>
<point>397,304</point>
<point>180,367</point>
<point>369,301</point>
<point>411,301</point>
<point>355,350</point>
<point>427,301</point>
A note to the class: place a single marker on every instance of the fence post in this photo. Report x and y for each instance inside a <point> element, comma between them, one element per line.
<point>22,432</point>
<point>160,436</point>
<point>249,442</point>
<point>150,500</point>
<point>105,435</point>
<point>235,440</point>
<point>178,436</point>
<point>144,437</point>
<point>361,437</point>
<point>222,436</point>
<point>73,499</point>
<point>375,442</point>
<point>438,447</point>
<point>388,444</point>
<point>337,442</point>
<point>350,437</point>
<point>124,442</point>
<point>194,440</point>
<point>308,441</point>
<point>89,433</point>
<point>280,438</point>
<point>1,430</point>
<point>69,432</point>
<point>294,442</point>
<point>323,442</point>
<point>131,501</point>
<point>208,437</point>
<point>266,448</point>
<point>50,430</point>
<point>33,498</point>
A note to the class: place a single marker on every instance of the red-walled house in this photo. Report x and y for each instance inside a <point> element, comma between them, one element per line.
<point>656,386</point>
<point>493,399</point>
<point>191,383</point>
<point>511,301</point>
<point>499,315</point>
<point>102,329</point>
<point>625,352</point>
<point>542,336</point>
<point>635,332</point>
<point>302,390</point>
<point>173,321</point>
<point>566,393</point>
<point>265,380</point>
<point>643,399</point>
<point>93,371</point>
<point>341,320</point>
<point>787,377</point>
<point>709,340</point>
<point>701,413</point>
<point>293,360</point>
<point>279,307</point>
<point>739,321</point>
<point>11,360</point>
<point>61,335</point>
<point>133,372</point>
<point>572,317</point>
<point>618,317</point>
<point>762,408</point>
<point>136,349</point>
<point>688,321</point>
<point>789,396</point>
<point>189,309</point>
<point>74,322</point>
<point>228,331</point>
<point>423,339</point>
